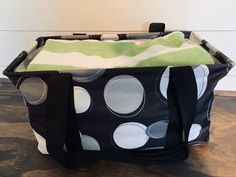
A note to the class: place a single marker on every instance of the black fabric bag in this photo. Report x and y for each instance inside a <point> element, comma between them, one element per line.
<point>120,113</point>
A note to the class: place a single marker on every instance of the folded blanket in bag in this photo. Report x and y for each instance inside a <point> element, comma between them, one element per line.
<point>171,50</point>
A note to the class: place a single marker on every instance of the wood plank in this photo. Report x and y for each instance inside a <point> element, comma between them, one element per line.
<point>225,93</point>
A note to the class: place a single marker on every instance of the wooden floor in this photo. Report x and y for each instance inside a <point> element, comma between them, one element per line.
<point>19,155</point>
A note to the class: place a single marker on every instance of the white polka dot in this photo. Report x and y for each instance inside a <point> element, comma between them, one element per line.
<point>82,99</point>
<point>89,143</point>
<point>34,90</point>
<point>164,82</point>
<point>130,135</point>
<point>194,132</point>
<point>124,94</point>
<point>201,73</point>
<point>42,145</point>
<point>88,75</point>
<point>157,129</point>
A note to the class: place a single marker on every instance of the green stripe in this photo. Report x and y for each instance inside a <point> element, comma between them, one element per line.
<point>193,56</point>
<point>48,67</point>
<point>109,49</point>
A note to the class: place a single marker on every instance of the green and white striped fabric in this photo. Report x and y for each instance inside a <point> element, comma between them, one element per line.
<point>170,50</point>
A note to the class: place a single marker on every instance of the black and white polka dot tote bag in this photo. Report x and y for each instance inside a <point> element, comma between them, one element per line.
<point>141,115</point>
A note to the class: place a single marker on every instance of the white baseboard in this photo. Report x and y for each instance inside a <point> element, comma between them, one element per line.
<point>1,70</point>
<point>227,83</point>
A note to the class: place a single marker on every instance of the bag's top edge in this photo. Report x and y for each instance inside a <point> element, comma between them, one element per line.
<point>108,36</point>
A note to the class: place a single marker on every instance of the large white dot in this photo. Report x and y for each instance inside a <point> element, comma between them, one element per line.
<point>89,143</point>
<point>130,135</point>
<point>34,90</point>
<point>164,82</point>
<point>194,132</point>
<point>87,75</point>
<point>157,129</point>
<point>82,99</point>
<point>123,94</point>
<point>201,73</point>
<point>42,145</point>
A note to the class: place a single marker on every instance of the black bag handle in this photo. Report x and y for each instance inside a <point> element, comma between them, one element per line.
<point>182,101</point>
<point>186,89</point>
<point>62,134</point>
<point>157,27</point>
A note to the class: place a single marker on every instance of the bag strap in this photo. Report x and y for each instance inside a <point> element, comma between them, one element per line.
<point>182,100</point>
<point>186,89</point>
<point>157,27</point>
<point>62,134</point>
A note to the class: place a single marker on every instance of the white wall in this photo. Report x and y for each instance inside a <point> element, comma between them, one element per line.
<point>21,21</point>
